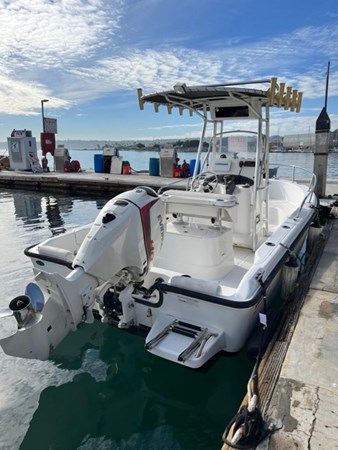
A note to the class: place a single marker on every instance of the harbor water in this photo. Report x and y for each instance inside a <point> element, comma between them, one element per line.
<point>139,160</point>
<point>101,389</point>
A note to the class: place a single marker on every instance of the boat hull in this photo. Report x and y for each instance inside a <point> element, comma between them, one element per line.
<point>232,321</point>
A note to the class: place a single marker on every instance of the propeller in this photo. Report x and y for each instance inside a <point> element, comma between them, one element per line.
<point>36,296</point>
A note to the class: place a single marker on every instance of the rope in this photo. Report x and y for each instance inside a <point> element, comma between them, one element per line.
<point>248,426</point>
<point>249,429</point>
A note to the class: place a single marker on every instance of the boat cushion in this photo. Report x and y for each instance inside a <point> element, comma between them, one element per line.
<point>195,284</point>
<point>55,252</point>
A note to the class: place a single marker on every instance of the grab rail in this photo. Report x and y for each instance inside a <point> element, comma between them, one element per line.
<point>312,184</point>
<point>293,167</point>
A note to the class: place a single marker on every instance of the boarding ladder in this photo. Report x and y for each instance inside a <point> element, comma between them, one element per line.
<point>182,342</point>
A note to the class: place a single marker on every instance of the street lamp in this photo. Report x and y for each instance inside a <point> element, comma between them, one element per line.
<point>45,100</point>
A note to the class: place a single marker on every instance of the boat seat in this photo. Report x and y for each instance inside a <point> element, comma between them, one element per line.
<point>199,204</point>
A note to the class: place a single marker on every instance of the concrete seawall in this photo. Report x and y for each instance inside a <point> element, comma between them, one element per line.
<point>305,400</point>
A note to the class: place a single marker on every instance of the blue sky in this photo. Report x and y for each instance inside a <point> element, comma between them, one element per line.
<point>88,57</point>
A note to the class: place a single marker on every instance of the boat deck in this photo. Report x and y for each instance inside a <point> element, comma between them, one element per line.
<point>244,259</point>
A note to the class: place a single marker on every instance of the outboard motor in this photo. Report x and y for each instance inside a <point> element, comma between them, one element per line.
<point>118,250</point>
<point>127,234</point>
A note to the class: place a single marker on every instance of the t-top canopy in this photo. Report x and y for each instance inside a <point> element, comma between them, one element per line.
<point>226,100</point>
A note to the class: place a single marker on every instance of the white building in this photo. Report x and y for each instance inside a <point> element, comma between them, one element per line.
<point>299,141</point>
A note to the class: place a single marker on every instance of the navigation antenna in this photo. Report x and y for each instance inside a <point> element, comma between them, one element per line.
<point>327,84</point>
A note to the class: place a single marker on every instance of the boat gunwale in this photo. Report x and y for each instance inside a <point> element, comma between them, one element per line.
<point>47,258</point>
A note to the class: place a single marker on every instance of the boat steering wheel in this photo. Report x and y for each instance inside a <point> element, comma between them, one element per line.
<point>203,182</point>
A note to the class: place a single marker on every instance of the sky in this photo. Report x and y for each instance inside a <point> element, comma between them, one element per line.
<point>88,57</point>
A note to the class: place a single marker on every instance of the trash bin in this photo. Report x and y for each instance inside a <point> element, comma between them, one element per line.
<point>98,163</point>
<point>154,167</point>
<point>192,167</point>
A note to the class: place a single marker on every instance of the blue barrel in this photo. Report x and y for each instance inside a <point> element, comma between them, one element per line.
<point>98,163</point>
<point>192,165</point>
<point>154,167</point>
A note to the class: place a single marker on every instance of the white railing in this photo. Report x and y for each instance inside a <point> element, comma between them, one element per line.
<point>312,182</point>
<point>293,168</point>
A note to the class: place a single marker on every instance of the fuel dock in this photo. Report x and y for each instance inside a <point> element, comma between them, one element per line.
<point>84,183</point>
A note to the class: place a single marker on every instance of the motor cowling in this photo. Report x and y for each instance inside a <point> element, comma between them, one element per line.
<point>127,234</point>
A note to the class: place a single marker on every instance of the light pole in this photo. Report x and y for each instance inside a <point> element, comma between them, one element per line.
<point>45,100</point>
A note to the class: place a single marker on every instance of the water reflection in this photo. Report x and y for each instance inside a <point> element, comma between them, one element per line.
<point>56,223</point>
<point>131,400</point>
<point>100,203</point>
<point>28,209</point>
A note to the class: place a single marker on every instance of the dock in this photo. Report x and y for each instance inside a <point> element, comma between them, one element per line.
<point>304,403</point>
<point>84,183</point>
<point>92,183</point>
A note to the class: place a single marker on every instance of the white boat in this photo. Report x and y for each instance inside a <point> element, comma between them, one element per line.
<point>193,268</point>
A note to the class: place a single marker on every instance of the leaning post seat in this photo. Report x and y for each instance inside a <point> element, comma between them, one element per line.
<point>200,248</point>
<point>199,204</point>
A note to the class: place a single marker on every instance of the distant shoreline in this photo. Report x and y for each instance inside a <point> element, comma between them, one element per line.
<point>185,150</point>
<point>3,151</point>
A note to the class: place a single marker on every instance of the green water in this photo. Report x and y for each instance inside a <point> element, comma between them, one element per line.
<point>101,389</point>
<point>133,400</point>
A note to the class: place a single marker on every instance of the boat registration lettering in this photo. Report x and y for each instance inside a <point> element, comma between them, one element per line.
<point>189,300</point>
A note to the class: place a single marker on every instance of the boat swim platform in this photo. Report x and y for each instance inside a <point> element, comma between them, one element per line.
<point>86,182</point>
<point>298,376</point>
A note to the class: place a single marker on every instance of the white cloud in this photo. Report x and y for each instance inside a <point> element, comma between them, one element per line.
<point>41,40</point>
<point>69,51</point>
<point>150,69</point>
<point>54,33</point>
<point>18,97</point>
<point>157,69</point>
<point>183,125</point>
